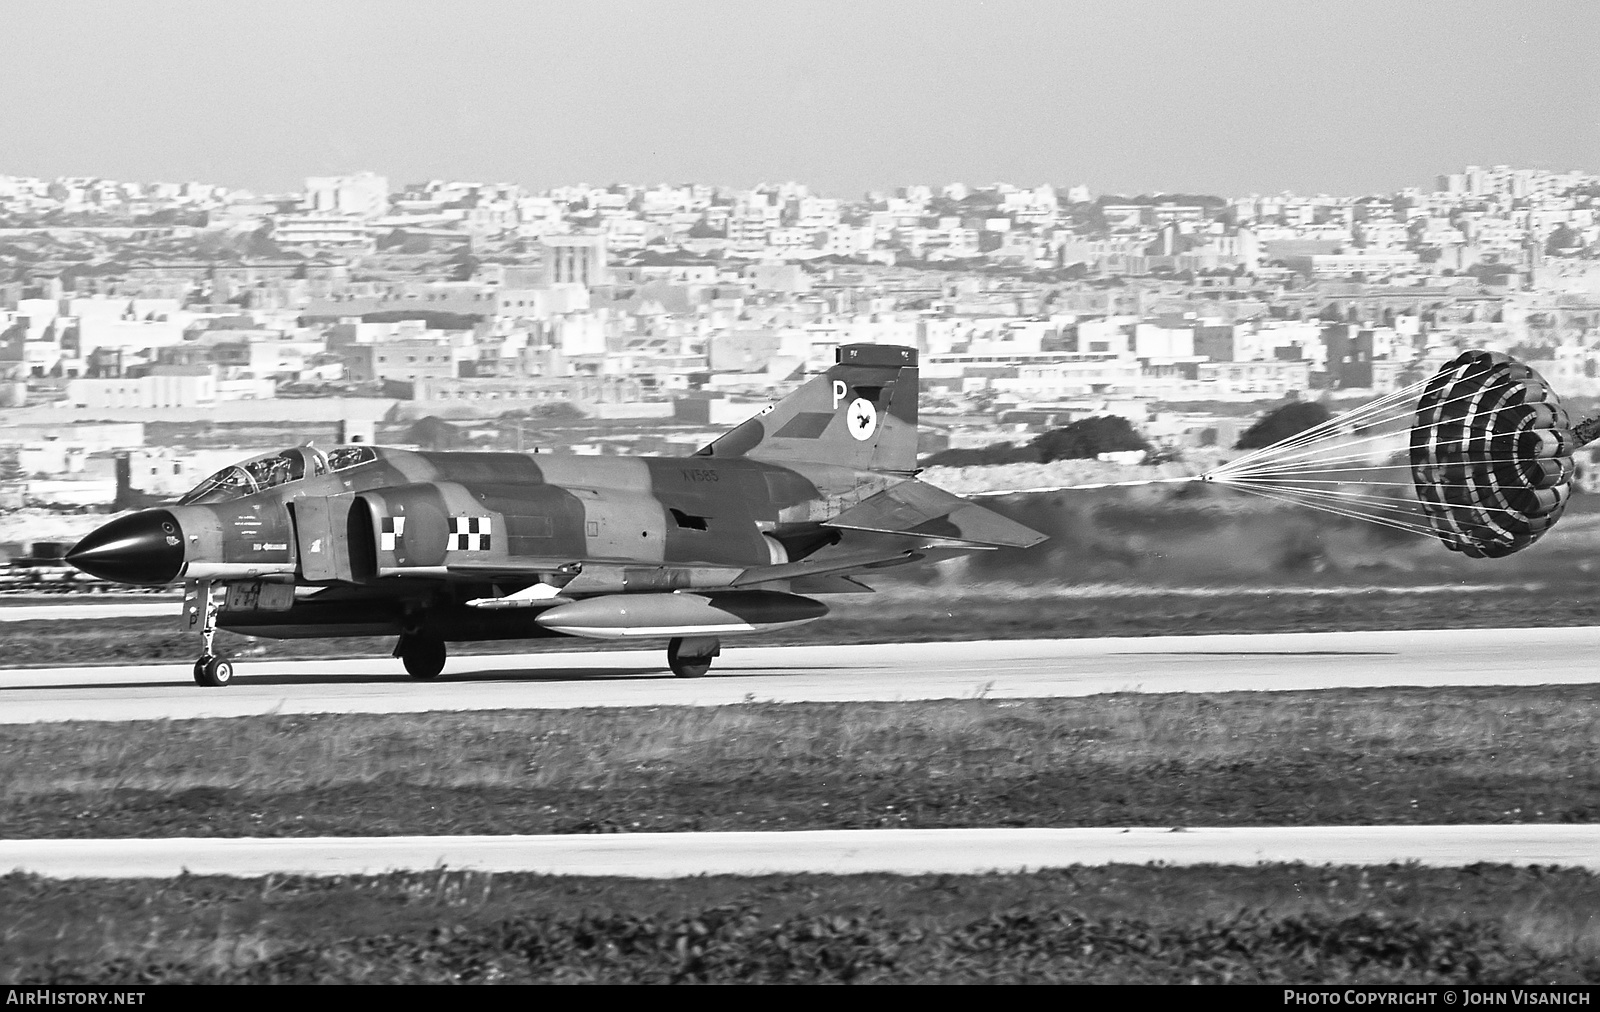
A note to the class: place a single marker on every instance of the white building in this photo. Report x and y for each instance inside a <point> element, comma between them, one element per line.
<point>363,195</point>
<point>320,229</point>
<point>165,387</point>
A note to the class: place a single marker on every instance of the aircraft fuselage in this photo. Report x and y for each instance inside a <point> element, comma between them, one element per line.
<point>462,546</point>
<point>427,532</point>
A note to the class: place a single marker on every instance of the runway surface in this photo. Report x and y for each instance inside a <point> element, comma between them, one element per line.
<point>169,607</point>
<point>839,852</point>
<point>992,669</point>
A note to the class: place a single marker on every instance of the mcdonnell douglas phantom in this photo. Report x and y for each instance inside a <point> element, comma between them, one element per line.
<point>361,540</point>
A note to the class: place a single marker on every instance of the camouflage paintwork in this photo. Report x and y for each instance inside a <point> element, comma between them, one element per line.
<point>403,541</point>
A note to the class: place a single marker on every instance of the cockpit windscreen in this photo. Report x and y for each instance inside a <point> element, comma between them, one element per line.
<point>261,473</point>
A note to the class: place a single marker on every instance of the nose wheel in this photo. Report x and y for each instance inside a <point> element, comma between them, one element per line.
<point>213,671</point>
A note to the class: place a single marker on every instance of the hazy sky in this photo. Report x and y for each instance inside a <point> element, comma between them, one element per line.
<point>1226,97</point>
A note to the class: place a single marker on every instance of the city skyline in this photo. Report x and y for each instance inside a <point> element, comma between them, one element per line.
<point>1238,97</point>
<point>223,190</point>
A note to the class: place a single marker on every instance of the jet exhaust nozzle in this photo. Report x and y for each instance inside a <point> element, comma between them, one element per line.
<point>144,548</point>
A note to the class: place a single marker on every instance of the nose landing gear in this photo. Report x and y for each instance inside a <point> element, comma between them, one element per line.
<point>213,671</point>
<point>200,606</point>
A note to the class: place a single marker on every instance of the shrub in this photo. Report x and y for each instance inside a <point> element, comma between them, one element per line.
<point>1281,423</point>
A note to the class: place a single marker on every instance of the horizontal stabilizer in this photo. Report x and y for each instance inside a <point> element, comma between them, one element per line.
<point>916,509</point>
<point>825,566</point>
<point>835,584</point>
<point>1035,490</point>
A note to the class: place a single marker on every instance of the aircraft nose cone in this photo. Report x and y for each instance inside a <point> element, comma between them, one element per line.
<point>144,548</point>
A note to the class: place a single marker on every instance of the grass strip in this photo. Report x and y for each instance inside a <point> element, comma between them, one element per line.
<point>1271,924</point>
<point>1344,756</point>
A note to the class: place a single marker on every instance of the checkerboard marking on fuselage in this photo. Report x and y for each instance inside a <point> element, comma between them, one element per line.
<point>394,528</point>
<point>469,534</point>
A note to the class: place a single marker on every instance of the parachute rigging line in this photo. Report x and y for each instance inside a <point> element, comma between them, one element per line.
<point>1363,415</point>
<point>1478,456</point>
<point>1338,427</point>
<point>1353,514</point>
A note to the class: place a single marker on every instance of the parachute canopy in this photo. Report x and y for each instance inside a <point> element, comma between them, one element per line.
<point>1483,461</point>
<point>1491,455</point>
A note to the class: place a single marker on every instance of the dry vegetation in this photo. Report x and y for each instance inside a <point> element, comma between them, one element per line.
<point>1116,924</point>
<point>1340,756</point>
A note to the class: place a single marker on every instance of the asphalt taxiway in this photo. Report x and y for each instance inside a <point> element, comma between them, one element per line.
<point>834,851</point>
<point>77,610</point>
<point>887,672</point>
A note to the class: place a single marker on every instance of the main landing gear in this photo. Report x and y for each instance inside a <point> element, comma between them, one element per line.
<point>690,656</point>
<point>422,655</point>
<point>211,670</point>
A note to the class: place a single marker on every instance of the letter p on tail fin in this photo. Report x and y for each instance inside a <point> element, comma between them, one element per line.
<point>861,413</point>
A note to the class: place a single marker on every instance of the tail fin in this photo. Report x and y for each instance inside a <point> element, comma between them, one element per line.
<point>861,413</point>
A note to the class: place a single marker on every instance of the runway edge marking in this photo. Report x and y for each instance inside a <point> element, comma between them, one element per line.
<point>855,851</point>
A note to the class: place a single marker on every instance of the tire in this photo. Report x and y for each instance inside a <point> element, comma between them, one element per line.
<point>423,657</point>
<point>686,667</point>
<point>213,672</point>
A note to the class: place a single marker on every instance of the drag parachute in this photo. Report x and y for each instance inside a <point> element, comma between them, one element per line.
<point>1483,462</point>
<point>1491,455</point>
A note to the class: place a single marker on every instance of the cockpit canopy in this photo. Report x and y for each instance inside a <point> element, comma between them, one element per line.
<point>270,470</point>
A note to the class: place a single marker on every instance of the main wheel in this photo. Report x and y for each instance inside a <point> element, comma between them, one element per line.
<point>213,671</point>
<point>423,656</point>
<point>686,666</point>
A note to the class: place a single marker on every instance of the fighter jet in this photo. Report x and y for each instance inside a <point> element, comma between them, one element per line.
<point>739,537</point>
